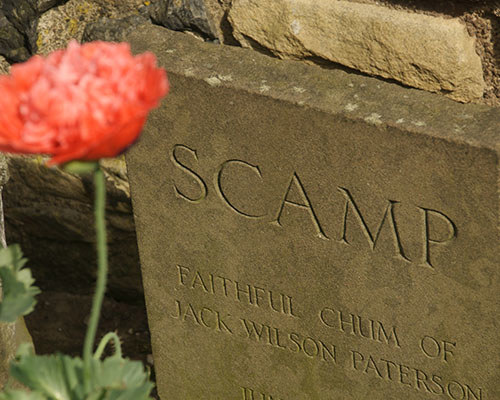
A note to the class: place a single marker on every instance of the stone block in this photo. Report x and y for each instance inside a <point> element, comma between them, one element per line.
<point>112,29</point>
<point>49,212</point>
<point>312,234</point>
<point>201,16</point>
<point>422,51</point>
<point>11,41</point>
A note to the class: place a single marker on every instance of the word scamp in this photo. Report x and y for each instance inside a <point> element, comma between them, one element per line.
<point>305,204</point>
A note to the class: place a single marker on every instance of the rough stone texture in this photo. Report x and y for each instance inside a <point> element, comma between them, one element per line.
<point>12,44</point>
<point>22,14</point>
<point>59,25</point>
<point>4,171</point>
<point>203,16</point>
<point>218,17</point>
<point>44,5</point>
<point>49,213</point>
<point>4,66</point>
<point>483,21</point>
<point>421,51</point>
<point>11,336</point>
<point>343,196</point>
<point>112,30</point>
<point>486,27</point>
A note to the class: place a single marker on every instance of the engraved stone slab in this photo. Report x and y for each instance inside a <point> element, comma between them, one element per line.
<point>305,233</point>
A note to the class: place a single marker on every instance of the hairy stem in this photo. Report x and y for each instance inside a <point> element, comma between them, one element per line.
<point>102,272</point>
<point>110,336</point>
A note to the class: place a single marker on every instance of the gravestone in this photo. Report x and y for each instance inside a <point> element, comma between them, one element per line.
<point>307,233</point>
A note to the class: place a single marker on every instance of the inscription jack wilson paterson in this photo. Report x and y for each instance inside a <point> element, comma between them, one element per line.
<point>294,249</point>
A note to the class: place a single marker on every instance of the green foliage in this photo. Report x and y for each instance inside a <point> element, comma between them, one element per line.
<point>57,376</point>
<point>20,395</point>
<point>60,377</point>
<point>18,294</point>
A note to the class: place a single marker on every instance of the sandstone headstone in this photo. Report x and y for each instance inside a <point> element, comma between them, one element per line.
<point>310,234</point>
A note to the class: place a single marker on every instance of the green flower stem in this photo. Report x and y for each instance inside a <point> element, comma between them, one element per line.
<point>110,336</point>
<point>102,272</point>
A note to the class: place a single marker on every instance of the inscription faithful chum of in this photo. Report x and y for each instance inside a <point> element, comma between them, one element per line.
<point>305,203</point>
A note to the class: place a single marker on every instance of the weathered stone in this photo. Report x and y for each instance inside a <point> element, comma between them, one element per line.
<point>199,15</point>
<point>44,5</point>
<point>4,171</point>
<point>426,52</point>
<point>119,8</point>
<point>12,44</point>
<point>218,16</point>
<point>112,30</point>
<point>50,214</point>
<point>23,15</point>
<point>59,25</point>
<point>312,234</point>
<point>11,334</point>
<point>4,66</point>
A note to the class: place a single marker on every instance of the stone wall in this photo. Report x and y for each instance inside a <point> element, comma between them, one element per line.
<point>450,46</point>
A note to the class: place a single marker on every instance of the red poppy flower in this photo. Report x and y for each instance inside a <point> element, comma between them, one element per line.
<point>83,103</point>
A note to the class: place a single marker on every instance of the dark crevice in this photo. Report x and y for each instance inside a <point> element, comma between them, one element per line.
<point>325,64</point>
<point>227,30</point>
<point>258,47</point>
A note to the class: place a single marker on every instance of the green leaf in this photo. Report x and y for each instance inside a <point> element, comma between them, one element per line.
<point>18,294</point>
<point>45,375</point>
<point>60,377</point>
<point>20,395</point>
<point>124,380</point>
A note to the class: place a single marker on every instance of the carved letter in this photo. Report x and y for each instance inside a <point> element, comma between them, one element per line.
<point>223,195</point>
<point>247,393</point>
<point>190,172</point>
<point>306,205</point>
<point>427,234</point>
<point>372,239</point>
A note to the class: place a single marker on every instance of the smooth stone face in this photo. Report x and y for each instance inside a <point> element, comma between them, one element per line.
<point>309,234</point>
